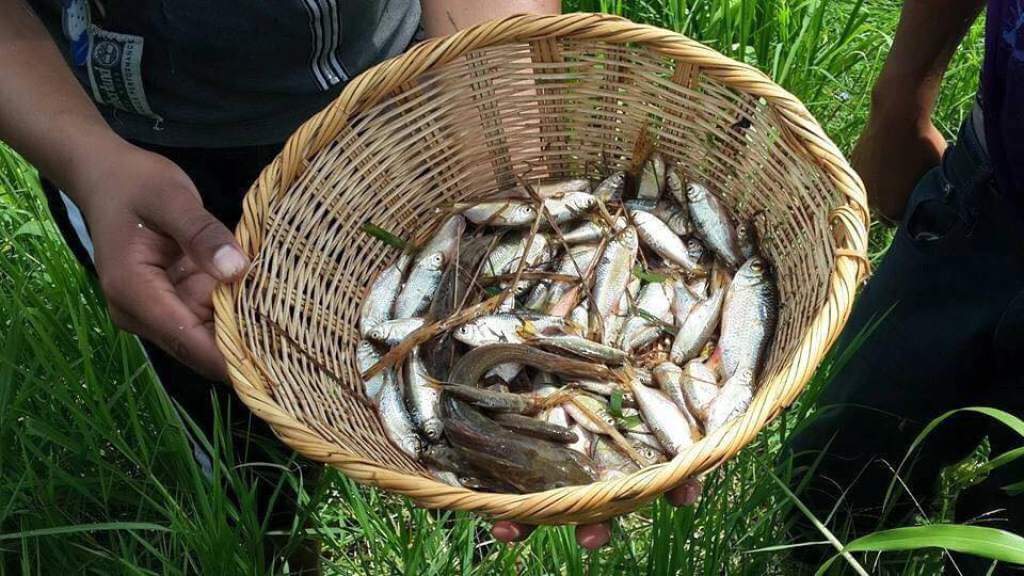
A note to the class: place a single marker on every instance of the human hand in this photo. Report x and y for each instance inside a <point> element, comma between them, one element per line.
<point>894,151</point>
<point>594,536</point>
<point>159,253</point>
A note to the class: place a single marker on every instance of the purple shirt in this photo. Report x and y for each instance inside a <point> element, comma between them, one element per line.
<point>1002,94</point>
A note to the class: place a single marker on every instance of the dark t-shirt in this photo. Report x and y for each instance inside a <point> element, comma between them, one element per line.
<point>1002,94</point>
<point>227,73</point>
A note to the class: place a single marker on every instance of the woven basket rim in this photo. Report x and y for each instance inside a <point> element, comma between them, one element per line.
<point>604,498</point>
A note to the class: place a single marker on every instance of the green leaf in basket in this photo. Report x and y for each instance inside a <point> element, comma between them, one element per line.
<point>647,276</point>
<point>630,421</point>
<point>615,404</point>
<point>383,235</point>
<point>493,290</point>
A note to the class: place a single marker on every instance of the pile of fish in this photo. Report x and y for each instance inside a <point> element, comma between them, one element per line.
<point>569,332</point>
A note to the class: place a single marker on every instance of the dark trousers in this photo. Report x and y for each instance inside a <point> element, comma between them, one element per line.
<point>942,322</point>
<point>222,176</point>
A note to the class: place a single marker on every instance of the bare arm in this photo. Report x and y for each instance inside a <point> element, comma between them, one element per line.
<point>44,113</point>
<point>159,253</point>
<point>442,17</point>
<point>900,143</point>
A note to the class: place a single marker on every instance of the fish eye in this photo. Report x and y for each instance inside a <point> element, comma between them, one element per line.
<point>693,191</point>
<point>757,266</point>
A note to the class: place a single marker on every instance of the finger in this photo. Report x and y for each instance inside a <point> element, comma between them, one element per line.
<point>143,295</point>
<point>593,536</point>
<point>181,269</point>
<point>196,291</point>
<point>180,214</point>
<point>686,494</point>
<point>511,531</point>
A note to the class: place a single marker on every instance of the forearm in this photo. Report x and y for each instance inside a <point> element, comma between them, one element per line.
<point>928,34</point>
<point>44,112</point>
<point>442,17</point>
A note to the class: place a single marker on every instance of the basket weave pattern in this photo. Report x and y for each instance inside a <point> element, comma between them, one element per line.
<point>457,119</point>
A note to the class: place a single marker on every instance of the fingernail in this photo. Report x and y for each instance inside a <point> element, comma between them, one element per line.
<point>229,262</point>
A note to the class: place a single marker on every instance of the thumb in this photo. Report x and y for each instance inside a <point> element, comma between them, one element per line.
<point>201,236</point>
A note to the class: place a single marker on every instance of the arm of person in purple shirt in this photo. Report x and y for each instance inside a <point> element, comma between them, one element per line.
<point>158,252</point>
<point>900,142</point>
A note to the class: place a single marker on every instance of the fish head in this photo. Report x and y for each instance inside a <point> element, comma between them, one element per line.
<point>667,371</point>
<point>628,238</point>
<point>412,444</point>
<point>434,261</point>
<point>647,453</point>
<point>579,201</point>
<point>695,248</point>
<point>470,333</point>
<point>753,272</point>
<point>378,333</point>
<point>695,192</point>
<point>522,213</point>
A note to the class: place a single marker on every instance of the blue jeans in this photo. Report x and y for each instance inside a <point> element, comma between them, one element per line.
<point>948,299</point>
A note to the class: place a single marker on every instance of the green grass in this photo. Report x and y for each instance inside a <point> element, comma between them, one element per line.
<point>96,473</point>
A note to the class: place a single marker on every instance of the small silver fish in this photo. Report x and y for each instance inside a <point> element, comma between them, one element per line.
<point>655,299</point>
<point>669,377</point>
<point>561,187</point>
<point>614,270</point>
<point>598,407</point>
<point>398,425</point>
<point>423,397</point>
<point>446,239</point>
<point>585,439</point>
<point>511,213</point>
<point>568,206</point>
<point>683,302</point>
<point>578,259</point>
<point>652,178</point>
<point>496,328</point>
<point>611,187</point>
<point>593,230</point>
<point>556,415</point>
<point>700,388</point>
<point>582,347</point>
<point>746,236</point>
<point>505,257</point>
<point>392,332</point>
<point>579,318</point>
<point>605,389</point>
<point>537,299</point>
<point>675,187</point>
<point>380,298</point>
<point>646,439</point>
<point>421,285</point>
<point>660,238</point>
<point>614,324</point>
<point>733,400</point>
<point>610,462</point>
<point>669,423</point>
<point>366,356</point>
<point>714,224</point>
<point>697,328</point>
<point>675,217</point>
<point>749,315</point>
<point>695,248</point>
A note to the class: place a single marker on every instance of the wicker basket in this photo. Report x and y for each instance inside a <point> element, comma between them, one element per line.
<point>459,118</point>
